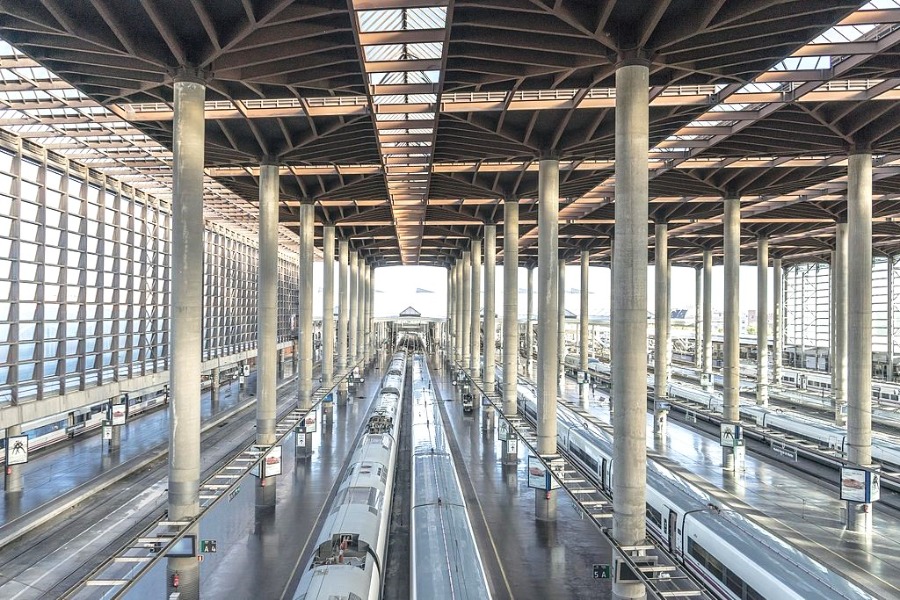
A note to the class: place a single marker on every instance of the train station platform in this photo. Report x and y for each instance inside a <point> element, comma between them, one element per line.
<point>524,558</point>
<point>802,504</point>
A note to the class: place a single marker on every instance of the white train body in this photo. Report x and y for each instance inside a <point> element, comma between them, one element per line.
<point>885,449</point>
<point>737,558</point>
<point>349,558</point>
<point>819,381</point>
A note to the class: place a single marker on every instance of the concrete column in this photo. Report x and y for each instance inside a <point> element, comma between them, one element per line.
<point>447,330</point>
<point>214,383</point>
<point>343,311</point>
<point>762,322</point>
<point>305,310</point>
<point>889,358</point>
<point>360,307</point>
<point>13,479</point>
<point>561,326</point>
<point>777,322</point>
<point>529,312</point>
<point>839,327</point>
<point>490,313</point>
<point>859,326</point>
<point>475,307</point>
<point>629,322</point>
<point>267,332</point>
<point>328,305</point>
<point>186,316</point>
<point>661,329</point>
<point>466,270</point>
<point>370,327</point>
<point>510,314</point>
<point>583,323</point>
<point>707,318</point>
<point>732,322</point>
<point>548,323</point>
<point>698,314</point>
<point>354,308</point>
<point>458,309</point>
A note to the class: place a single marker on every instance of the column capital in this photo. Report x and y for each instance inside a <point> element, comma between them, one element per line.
<point>633,57</point>
<point>190,74</point>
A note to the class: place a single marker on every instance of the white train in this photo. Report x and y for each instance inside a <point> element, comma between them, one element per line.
<point>348,561</point>
<point>885,449</point>
<point>735,557</point>
<point>820,381</point>
<point>58,428</point>
<point>444,558</point>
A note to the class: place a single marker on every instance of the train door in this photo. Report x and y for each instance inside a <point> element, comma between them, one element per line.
<point>603,474</point>
<point>671,529</point>
<point>801,381</point>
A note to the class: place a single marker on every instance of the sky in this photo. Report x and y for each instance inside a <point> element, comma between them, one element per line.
<point>425,289</point>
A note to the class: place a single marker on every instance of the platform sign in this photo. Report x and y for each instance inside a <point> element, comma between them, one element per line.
<point>512,445</point>
<point>704,379</point>
<point>504,431</point>
<point>246,371</point>
<point>581,377</point>
<point>117,414</point>
<point>301,441</point>
<point>272,462</point>
<point>860,485</point>
<point>602,571</point>
<point>731,435</point>
<point>307,424</point>
<point>17,450</point>
<point>208,546</point>
<point>537,473</point>
<point>107,432</point>
<point>557,465</point>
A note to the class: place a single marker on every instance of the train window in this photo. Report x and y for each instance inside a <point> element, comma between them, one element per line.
<point>734,583</point>
<point>753,594</point>
<point>654,516</point>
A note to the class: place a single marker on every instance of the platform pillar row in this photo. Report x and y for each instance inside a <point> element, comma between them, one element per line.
<point>267,343</point>
<point>548,323</point>
<point>328,238</point>
<point>698,315</point>
<point>304,313</point>
<point>629,317</point>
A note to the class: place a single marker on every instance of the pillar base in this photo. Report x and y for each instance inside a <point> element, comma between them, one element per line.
<point>660,418</point>
<point>304,445</point>
<point>733,459</point>
<point>188,575</point>
<point>265,493</point>
<point>487,419</point>
<point>509,458</point>
<point>859,517</point>
<point>116,442</point>
<point>545,505</point>
<point>13,483</point>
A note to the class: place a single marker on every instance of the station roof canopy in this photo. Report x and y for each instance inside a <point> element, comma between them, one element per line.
<point>410,122</point>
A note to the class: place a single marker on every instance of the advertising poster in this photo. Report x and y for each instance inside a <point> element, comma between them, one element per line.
<point>309,423</point>
<point>272,462</point>
<point>118,414</point>
<point>853,484</point>
<point>537,473</point>
<point>17,450</point>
